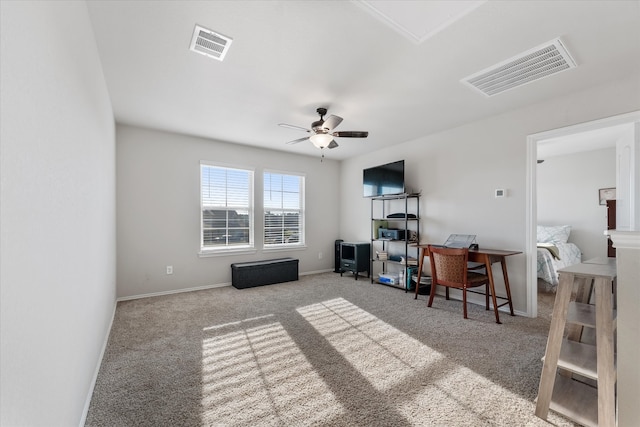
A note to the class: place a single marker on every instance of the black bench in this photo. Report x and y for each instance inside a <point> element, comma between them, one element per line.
<point>266,272</point>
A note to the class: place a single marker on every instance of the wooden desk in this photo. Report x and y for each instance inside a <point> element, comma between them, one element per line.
<point>486,257</point>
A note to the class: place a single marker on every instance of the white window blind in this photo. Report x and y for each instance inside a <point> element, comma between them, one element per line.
<point>283,209</point>
<point>227,207</point>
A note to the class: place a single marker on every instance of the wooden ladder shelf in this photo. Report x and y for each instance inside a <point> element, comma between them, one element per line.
<point>559,391</point>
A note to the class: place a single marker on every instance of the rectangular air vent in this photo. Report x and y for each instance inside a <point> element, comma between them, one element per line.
<point>542,61</point>
<point>209,43</point>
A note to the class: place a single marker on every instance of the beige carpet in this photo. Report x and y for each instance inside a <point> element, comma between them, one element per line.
<point>326,351</point>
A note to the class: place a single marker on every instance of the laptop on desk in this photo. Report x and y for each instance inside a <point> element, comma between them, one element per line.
<point>459,241</point>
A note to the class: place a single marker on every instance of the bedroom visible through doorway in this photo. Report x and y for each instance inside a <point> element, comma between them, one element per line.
<point>548,153</point>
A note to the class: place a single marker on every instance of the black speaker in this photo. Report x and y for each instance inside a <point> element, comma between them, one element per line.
<point>337,258</point>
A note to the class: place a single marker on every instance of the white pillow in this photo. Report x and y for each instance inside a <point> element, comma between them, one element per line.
<point>553,234</point>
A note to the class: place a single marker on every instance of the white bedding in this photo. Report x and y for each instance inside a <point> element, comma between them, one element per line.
<point>548,265</point>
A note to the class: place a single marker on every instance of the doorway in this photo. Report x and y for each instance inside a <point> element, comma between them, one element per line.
<point>560,141</point>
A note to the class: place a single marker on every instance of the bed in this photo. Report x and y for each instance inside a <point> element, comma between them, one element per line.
<point>555,252</point>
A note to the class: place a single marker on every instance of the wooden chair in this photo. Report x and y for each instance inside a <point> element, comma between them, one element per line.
<point>449,269</point>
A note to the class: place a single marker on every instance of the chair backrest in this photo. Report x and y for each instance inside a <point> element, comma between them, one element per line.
<point>449,265</point>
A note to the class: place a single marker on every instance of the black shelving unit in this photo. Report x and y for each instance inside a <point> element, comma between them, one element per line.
<point>403,230</point>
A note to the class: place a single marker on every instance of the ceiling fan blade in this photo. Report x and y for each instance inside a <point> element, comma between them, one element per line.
<point>284,125</point>
<point>332,122</point>
<point>295,141</point>
<point>351,134</point>
<point>332,144</point>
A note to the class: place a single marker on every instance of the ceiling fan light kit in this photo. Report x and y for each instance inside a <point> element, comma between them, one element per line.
<point>321,140</point>
<point>322,135</point>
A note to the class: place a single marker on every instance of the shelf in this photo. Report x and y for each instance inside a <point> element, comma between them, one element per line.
<point>407,224</point>
<point>584,315</point>
<point>579,358</point>
<point>397,196</point>
<point>578,379</point>
<point>396,263</point>
<point>387,260</point>
<point>575,400</point>
<point>395,240</point>
<point>397,286</point>
<point>394,219</point>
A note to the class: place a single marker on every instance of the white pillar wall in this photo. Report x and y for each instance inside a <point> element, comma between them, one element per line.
<point>627,245</point>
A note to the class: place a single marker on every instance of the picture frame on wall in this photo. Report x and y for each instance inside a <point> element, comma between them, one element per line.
<point>605,194</point>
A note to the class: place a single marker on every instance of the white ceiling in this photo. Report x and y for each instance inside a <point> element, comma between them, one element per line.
<point>418,20</point>
<point>290,57</point>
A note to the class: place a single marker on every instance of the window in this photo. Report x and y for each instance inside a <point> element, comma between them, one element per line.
<point>283,209</point>
<point>227,208</point>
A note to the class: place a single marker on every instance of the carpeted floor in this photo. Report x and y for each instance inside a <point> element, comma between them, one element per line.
<point>325,350</point>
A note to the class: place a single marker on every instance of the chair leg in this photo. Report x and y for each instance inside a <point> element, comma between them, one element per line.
<point>464,301</point>
<point>486,294</point>
<point>447,292</point>
<point>432,293</point>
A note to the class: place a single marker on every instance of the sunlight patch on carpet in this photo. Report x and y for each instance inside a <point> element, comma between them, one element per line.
<point>384,355</point>
<point>472,397</point>
<point>254,374</point>
<point>423,384</point>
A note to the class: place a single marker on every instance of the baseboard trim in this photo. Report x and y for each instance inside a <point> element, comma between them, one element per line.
<point>200,288</point>
<point>308,273</point>
<point>174,291</point>
<point>87,402</point>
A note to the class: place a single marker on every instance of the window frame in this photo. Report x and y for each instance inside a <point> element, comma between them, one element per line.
<point>234,248</point>
<point>301,243</point>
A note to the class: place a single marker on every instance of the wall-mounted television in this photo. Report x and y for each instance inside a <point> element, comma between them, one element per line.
<point>384,180</point>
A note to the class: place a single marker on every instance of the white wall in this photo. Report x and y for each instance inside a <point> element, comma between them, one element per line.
<point>459,169</point>
<point>158,182</point>
<point>568,194</point>
<point>57,216</point>
<point>628,189</point>
<point>627,245</point>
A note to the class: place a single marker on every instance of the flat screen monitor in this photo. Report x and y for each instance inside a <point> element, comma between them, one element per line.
<point>384,180</point>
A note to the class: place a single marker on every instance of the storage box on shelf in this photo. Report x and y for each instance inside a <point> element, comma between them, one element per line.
<point>395,226</point>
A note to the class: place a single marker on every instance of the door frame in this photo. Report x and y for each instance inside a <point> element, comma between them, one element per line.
<point>532,196</point>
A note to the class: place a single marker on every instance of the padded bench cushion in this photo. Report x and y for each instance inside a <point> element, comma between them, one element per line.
<point>265,272</point>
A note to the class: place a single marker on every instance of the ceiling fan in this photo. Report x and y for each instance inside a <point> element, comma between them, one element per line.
<point>322,133</point>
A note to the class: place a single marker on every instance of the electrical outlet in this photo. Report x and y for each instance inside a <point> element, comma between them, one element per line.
<point>319,255</point>
<point>169,269</point>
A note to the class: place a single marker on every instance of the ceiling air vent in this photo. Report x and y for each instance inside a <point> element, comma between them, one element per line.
<point>542,61</point>
<point>210,43</point>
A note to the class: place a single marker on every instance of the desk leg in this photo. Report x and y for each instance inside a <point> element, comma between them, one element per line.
<point>422,252</point>
<point>506,283</point>
<point>492,289</point>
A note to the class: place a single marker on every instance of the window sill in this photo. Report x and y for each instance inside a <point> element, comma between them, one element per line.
<point>226,252</point>
<point>284,248</point>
